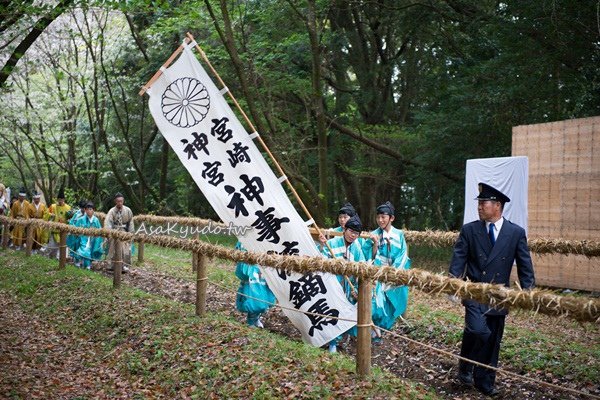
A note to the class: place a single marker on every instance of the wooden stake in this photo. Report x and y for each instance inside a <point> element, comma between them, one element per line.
<point>140,252</point>
<point>363,344</point>
<point>201,284</point>
<point>29,242</point>
<point>5,235</point>
<point>194,261</point>
<point>117,263</point>
<point>62,250</point>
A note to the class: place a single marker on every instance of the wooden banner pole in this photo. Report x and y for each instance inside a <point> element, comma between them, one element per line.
<point>158,73</point>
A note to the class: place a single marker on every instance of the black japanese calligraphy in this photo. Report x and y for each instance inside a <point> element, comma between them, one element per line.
<point>305,289</point>
<point>253,189</point>
<point>238,154</point>
<point>237,202</point>
<point>198,144</point>
<point>317,321</point>
<point>290,249</point>
<point>268,225</point>
<point>220,131</point>
<point>282,273</point>
<point>211,172</point>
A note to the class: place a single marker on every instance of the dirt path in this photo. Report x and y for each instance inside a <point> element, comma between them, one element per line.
<point>37,362</point>
<point>404,359</point>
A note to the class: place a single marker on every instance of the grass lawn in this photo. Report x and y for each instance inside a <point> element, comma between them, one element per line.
<point>159,347</point>
<point>532,343</point>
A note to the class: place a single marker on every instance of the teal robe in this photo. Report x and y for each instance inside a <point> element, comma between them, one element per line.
<point>88,248</point>
<point>391,251</point>
<point>73,240</point>
<point>252,284</point>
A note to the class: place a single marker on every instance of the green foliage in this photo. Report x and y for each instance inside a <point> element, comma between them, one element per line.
<point>435,84</point>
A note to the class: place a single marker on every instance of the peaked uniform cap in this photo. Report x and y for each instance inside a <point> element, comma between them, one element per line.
<point>487,192</point>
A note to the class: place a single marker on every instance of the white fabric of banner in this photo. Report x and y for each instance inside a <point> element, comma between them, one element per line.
<point>232,174</point>
<point>510,175</point>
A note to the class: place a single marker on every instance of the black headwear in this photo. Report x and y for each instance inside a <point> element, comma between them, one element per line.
<point>486,192</point>
<point>347,209</point>
<point>61,193</point>
<point>118,195</point>
<point>386,208</point>
<point>22,192</point>
<point>354,224</point>
<point>82,203</point>
<point>89,204</point>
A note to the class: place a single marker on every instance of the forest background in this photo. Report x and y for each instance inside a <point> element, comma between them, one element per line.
<point>361,101</point>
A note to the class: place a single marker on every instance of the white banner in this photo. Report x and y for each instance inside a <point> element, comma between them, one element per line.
<point>510,175</point>
<point>220,155</point>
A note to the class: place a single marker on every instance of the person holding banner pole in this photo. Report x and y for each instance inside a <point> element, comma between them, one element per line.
<point>387,247</point>
<point>346,212</point>
<point>346,247</point>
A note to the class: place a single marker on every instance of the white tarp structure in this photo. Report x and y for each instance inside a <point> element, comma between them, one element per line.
<point>221,157</point>
<point>510,175</point>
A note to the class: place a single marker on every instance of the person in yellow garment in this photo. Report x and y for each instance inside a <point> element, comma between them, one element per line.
<point>19,210</point>
<point>4,200</point>
<point>37,210</point>
<point>57,212</point>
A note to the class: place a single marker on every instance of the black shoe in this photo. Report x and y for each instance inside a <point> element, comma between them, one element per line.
<point>465,378</point>
<point>493,392</point>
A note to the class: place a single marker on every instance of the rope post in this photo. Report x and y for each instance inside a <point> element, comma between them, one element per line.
<point>194,261</point>
<point>140,252</point>
<point>5,235</point>
<point>195,257</point>
<point>29,242</point>
<point>201,284</point>
<point>62,250</point>
<point>117,263</point>
<point>363,344</point>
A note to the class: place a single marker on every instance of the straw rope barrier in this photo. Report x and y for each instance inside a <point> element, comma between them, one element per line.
<point>418,343</point>
<point>558,305</point>
<point>588,248</point>
<point>544,302</point>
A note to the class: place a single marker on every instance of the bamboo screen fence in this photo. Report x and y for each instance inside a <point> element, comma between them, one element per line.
<point>564,195</point>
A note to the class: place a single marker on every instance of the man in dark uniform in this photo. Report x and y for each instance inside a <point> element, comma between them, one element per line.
<point>485,252</point>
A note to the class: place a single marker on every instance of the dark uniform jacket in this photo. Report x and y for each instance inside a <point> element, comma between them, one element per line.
<point>477,260</point>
